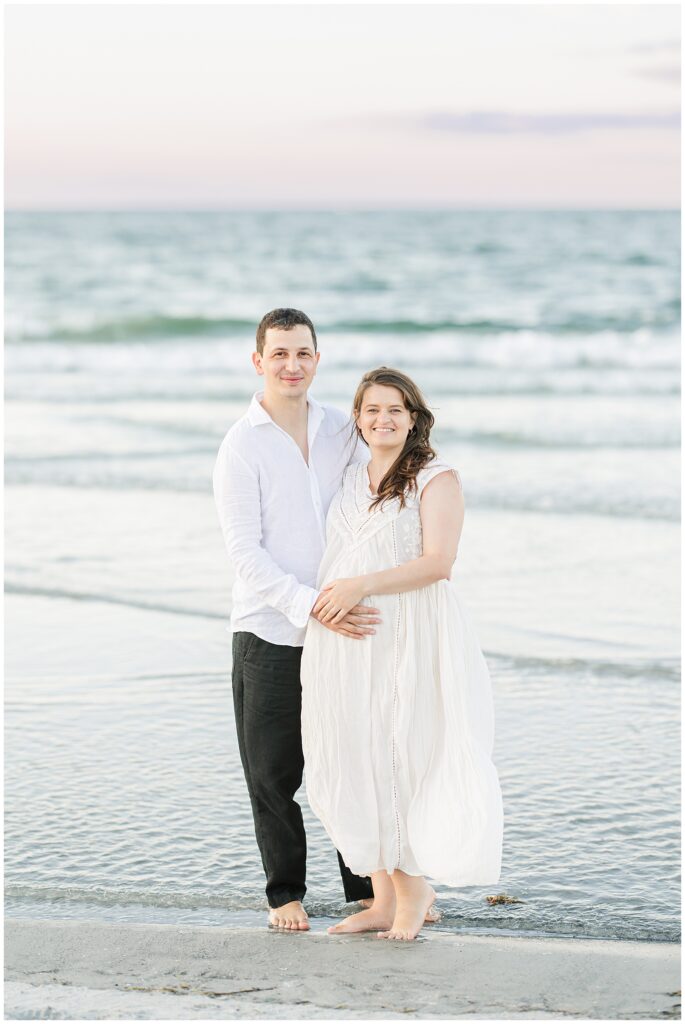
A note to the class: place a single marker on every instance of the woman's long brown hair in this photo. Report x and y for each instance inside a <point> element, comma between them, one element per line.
<point>401,477</point>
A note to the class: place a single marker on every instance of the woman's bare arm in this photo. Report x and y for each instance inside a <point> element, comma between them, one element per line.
<point>442,518</point>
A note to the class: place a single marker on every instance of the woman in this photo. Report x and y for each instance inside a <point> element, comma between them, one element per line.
<point>398,728</point>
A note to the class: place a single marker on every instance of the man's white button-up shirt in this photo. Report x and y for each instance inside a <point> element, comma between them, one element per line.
<point>272,508</point>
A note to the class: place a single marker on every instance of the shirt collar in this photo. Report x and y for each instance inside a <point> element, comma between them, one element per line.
<point>257,414</point>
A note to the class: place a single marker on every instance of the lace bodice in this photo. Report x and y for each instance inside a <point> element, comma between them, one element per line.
<point>351,517</point>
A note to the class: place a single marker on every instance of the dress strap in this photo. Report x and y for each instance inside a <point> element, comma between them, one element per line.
<point>433,469</point>
<point>350,472</point>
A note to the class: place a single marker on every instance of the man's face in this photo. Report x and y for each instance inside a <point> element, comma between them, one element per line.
<point>289,361</point>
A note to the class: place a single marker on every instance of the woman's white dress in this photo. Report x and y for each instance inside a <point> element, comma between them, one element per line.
<point>398,728</point>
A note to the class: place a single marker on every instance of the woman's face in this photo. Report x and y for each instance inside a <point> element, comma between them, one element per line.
<point>384,419</point>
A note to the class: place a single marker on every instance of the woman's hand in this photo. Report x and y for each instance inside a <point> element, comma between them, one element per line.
<point>337,598</point>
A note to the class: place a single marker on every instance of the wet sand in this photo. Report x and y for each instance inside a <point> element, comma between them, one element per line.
<point>87,970</point>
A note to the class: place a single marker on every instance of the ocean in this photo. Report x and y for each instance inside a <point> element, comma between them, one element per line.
<point>547,345</point>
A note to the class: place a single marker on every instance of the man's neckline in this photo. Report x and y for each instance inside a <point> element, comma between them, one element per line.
<point>257,414</point>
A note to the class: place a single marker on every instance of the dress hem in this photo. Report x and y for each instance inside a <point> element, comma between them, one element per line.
<point>452,884</point>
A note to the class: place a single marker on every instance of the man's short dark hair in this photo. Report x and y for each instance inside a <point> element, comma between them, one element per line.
<point>282,320</point>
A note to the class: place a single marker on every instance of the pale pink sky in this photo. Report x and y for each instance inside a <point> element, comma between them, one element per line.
<point>342,105</point>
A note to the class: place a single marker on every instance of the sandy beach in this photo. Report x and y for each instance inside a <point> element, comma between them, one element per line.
<point>87,970</point>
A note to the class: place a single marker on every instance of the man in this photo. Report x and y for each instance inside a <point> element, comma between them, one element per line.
<point>276,473</point>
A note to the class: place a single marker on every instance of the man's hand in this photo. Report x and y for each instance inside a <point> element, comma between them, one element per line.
<point>338,598</point>
<point>357,624</point>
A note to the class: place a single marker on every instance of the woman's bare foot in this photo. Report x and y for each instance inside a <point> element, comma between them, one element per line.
<point>433,915</point>
<point>291,916</point>
<point>366,920</point>
<point>412,906</point>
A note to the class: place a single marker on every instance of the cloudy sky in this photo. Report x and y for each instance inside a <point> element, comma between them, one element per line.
<point>330,106</point>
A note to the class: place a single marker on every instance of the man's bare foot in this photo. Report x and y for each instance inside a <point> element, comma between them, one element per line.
<point>410,916</point>
<point>433,915</point>
<point>365,921</point>
<point>291,916</point>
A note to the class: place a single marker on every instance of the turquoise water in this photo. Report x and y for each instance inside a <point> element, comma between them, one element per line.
<point>547,345</point>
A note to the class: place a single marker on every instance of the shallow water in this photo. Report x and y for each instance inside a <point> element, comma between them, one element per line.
<point>547,345</point>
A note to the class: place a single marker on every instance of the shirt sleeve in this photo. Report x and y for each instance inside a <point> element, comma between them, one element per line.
<point>238,503</point>
<point>359,450</point>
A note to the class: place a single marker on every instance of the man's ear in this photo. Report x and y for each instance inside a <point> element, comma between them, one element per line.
<point>257,363</point>
<point>317,356</point>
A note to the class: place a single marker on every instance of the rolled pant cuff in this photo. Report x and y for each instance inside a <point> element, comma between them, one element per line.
<point>356,892</point>
<point>283,896</point>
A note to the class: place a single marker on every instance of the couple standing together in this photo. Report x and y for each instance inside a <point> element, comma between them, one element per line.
<point>351,653</point>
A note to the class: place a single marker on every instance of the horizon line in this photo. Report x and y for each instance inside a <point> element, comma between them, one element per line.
<point>363,208</point>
